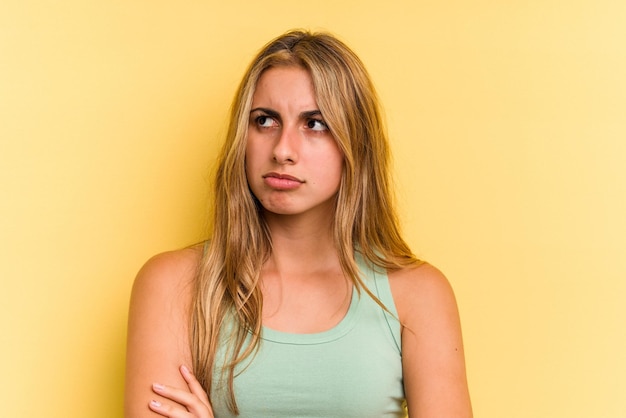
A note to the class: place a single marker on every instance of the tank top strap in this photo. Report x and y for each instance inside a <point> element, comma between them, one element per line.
<point>377,280</point>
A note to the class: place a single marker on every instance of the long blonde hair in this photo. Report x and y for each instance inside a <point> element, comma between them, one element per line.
<point>365,218</point>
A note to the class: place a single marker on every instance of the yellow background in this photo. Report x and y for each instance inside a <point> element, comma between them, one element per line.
<point>508,123</point>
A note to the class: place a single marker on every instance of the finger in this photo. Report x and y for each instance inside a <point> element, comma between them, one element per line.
<point>195,386</point>
<point>182,397</point>
<point>192,404</point>
<point>168,410</point>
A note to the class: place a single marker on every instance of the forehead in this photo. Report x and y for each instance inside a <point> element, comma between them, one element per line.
<point>285,84</point>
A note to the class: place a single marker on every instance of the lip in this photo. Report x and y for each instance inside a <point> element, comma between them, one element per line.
<point>280,181</point>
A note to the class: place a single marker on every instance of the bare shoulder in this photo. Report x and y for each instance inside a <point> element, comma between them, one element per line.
<point>162,294</point>
<point>422,274</point>
<point>158,323</point>
<point>169,271</point>
<point>432,346</point>
<point>421,288</point>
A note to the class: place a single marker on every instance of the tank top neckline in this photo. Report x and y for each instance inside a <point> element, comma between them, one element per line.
<point>342,328</point>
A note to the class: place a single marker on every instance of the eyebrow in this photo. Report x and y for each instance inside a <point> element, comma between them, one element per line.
<point>307,114</point>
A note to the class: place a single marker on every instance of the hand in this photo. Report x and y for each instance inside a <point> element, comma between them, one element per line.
<point>192,403</point>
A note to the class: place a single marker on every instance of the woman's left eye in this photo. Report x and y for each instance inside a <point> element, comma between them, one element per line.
<point>316,125</point>
<point>265,121</point>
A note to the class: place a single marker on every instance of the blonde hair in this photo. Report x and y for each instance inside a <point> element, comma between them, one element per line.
<point>365,219</point>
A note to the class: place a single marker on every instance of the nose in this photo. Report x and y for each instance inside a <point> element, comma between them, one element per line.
<point>286,147</point>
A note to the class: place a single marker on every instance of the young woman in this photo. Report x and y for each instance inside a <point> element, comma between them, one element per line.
<point>305,302</point>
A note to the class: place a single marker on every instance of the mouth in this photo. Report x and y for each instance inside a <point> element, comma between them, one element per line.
<point>279,181</point>
<point>282,177</point>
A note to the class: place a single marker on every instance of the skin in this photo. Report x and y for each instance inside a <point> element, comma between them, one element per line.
<point>287,135</point>
<point>303,286</point>
<point>158,343</point>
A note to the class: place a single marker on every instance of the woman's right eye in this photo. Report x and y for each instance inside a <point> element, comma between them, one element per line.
<point>265,121</point>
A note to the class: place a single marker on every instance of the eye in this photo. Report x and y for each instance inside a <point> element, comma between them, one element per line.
<point>316,125</point>
<point>265,121</point>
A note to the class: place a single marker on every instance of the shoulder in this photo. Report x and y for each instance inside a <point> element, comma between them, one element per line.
<point>167,272</point>
<point>162,293</point>
<point>157,341</point>
<point>420,290</point>
<point>177,263</point>
<point>432,346</point>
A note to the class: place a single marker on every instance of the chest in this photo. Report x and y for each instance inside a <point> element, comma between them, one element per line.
<point>351,370</point>
<point>305,306</point>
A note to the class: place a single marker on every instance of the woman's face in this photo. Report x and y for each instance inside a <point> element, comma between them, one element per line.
<point>293,163</point>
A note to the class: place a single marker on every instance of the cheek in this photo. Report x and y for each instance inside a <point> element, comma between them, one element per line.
<point>337,162</point>
<point>334,167</point>
<point>250,155</point>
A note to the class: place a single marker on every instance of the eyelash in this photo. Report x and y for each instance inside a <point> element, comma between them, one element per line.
<point>310,123</point>
<point>314,121</point>
<point>260,120</point>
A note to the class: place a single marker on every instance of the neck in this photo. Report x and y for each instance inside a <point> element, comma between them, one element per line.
<point>301,244</point>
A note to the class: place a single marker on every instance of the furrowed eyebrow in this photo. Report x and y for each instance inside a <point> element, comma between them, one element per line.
<point>269,112</point>
<point>309,114</point>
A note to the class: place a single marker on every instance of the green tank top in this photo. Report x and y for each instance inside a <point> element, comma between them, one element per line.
<point>351,370</point>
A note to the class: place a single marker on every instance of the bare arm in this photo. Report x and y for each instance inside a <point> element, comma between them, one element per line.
<point>158,342</point>
<point>432,347</point>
